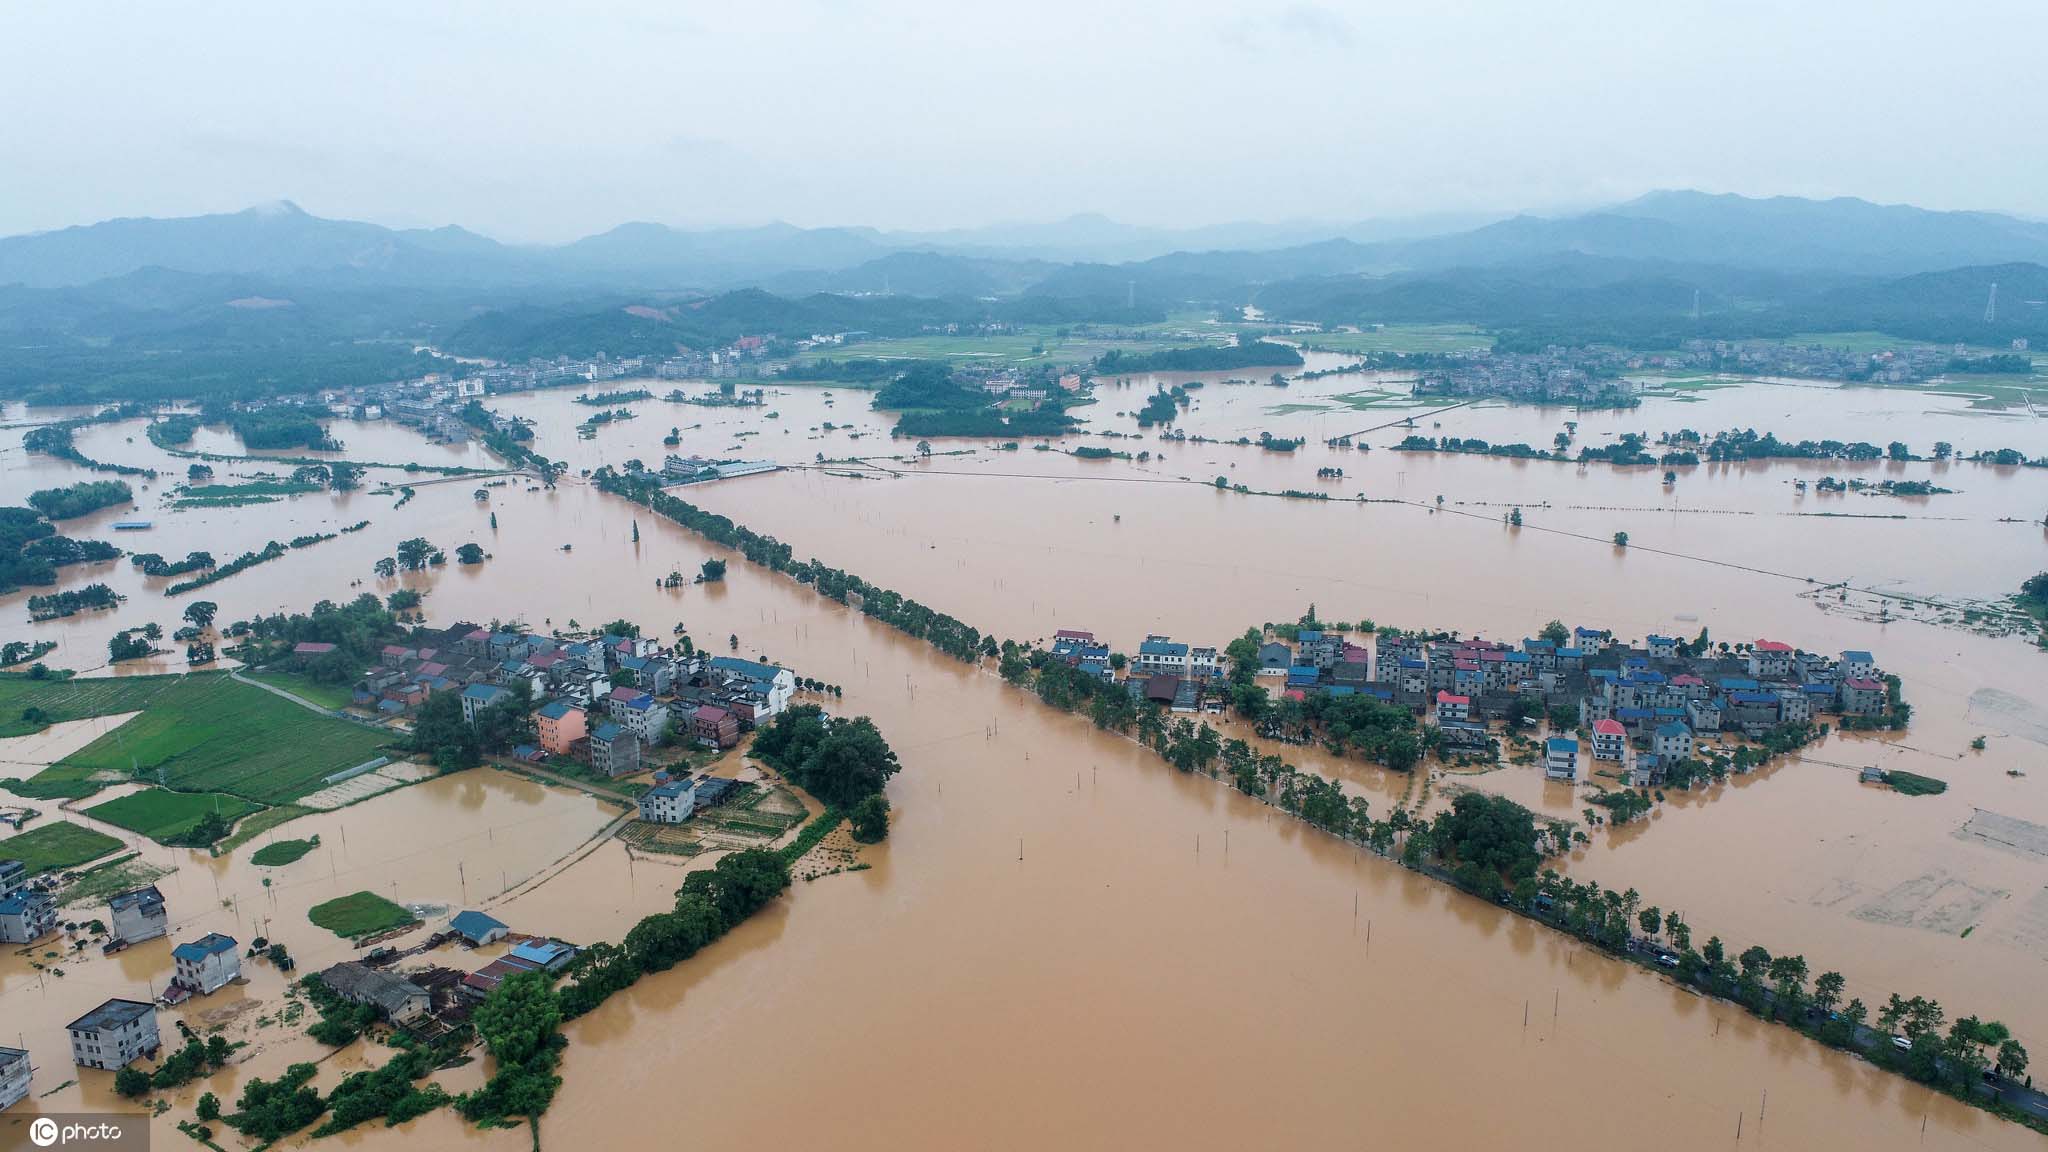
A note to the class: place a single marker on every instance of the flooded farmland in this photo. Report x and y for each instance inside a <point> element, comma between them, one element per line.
<point>1066,943</point>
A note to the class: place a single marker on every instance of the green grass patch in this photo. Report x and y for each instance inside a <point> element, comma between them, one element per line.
<point>359,914</point>
<point>281,852</point>
<point>208,733</point>
<point>1913,784</point>
<point>326,695</point>
<point>258,824</point>
<point>165,816</point>
<point>58,846</point>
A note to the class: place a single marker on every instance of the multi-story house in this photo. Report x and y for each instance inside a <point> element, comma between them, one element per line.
<point>670,803</point>
<point>1561,758</point>
<point>138,915</point>
<point>560,725</point>
<point>1672,743</point>
<point>14,1077</point>
<point>114,1034</point>
<point>27,917</point>
<point>614,751</point>
<point>207,964</point>
<point>1610,740</point>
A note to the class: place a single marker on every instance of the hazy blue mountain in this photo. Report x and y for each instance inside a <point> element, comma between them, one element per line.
<point>1782,232</point>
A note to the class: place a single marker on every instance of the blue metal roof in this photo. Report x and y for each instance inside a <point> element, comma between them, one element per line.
<point>607,732</point>
<point>753,668</point>
<point>1859,657</point>
<point>200,949</point>
<point>1162,648</point>
<point>1673,729</point>
<point>556,709</point>
<point>483,692</point>
<point>475,925</point>
<point>1561,744</point>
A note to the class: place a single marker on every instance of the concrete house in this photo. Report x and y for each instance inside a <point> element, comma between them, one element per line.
<point>1274,660</point>
<point>1661,647</point>
<point>714,727</point>
<point>1770,659</point>
<point>560,725</point>
<point>1862,697</point>
<point>775,684</point>
<point>1451,707</point>
<point>27,917</point>
<point>1561,758</point>
<point>614,751</point>
<point>1159,655</point>
<point>1672,743</point>
<point>642,715</point>
<point>14,1077</point>
<point>478,697</point>
<point>1610,740</point>
<point>13,877</point>
<point>138,915</point>
<point>1858,665</point>
<point>207,964</point>
<point>670,803</point>
<point>114,1034</point>
<point>396,999</point>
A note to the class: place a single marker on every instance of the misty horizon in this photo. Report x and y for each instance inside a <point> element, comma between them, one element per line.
<point>908,117</point>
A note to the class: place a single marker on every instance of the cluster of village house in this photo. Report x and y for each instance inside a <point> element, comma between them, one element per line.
<point>1644,705</point>
<point>603,701</point>
<point>119,1032</point>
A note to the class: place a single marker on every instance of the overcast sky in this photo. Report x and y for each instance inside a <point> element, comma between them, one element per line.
<point>544,122</point>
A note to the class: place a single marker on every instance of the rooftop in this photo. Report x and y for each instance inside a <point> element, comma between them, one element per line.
<point>200,949</point>
<point>112,1014</point>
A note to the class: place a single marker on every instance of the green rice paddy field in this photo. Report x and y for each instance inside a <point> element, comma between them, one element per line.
<point>199,733</point>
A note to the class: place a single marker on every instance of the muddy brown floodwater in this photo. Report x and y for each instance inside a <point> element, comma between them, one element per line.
<point>1064,943</point>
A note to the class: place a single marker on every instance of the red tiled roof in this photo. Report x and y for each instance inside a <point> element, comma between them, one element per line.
<point>1609,728</point>
<point>1452,698</point>
<point>1772,646</point>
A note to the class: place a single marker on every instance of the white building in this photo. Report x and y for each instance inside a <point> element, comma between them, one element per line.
<point>139,915</point>
<point>113,1034</point>
<point>1672,743</point>
<point>1610,740</point>
<point>14,1077</point>
<point>207,964</point>
<point>1561,758</point>
<point>27,917</point>
<point>1159,654</point>
<point>775,684</point>
<point>670,803</point>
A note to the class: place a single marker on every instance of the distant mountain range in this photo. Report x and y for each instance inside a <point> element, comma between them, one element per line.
<point>285,244</point>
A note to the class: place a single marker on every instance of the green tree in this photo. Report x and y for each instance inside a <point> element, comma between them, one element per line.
<point>517,1019</point>
<point>385,568</point>
<point>1556,633</point>
<point>132,1083</point>
<point>200,613</point>
<point>1827,991</point>
<point>469,554</point>
<point>1621,539</point>
<point>415,553</point>
<point>208,1108</point>
<point>870,819</point>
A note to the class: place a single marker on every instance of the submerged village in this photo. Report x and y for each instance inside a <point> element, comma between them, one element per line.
<point>737,773</point>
